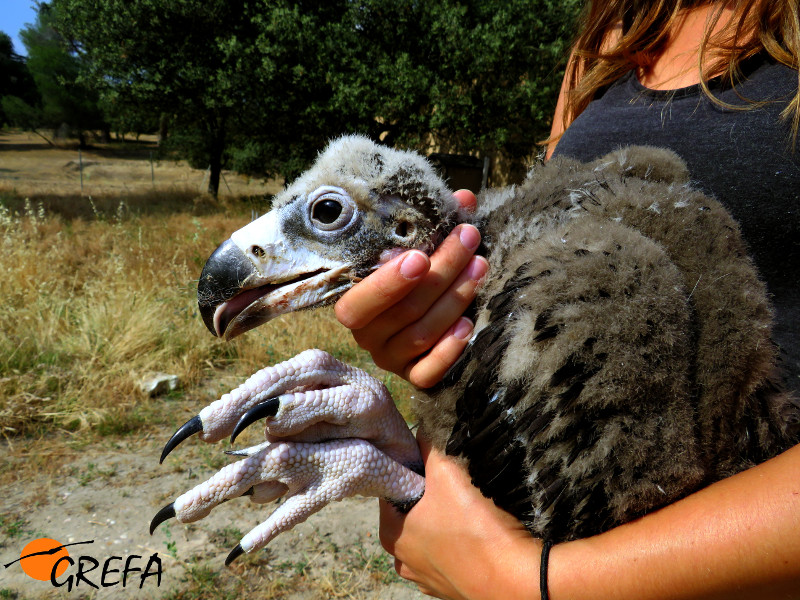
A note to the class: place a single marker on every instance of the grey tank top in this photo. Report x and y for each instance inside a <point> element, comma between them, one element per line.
<point>744,158</point>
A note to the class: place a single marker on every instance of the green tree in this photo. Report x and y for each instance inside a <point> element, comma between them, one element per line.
<point>65,100</point>
<point>263,84</point>
<point>473,74</point>
<point>17,89</point>
<point>465,75</point>
<point>193,60</point>
<point>56,98</point>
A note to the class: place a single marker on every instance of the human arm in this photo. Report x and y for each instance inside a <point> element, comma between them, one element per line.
<point>737,538</point>
<point>407,314</point>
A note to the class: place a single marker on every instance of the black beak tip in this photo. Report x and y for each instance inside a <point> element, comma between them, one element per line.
<point>188,429</point>
<point>234,554</point>
<point>221,279</point>
<point>207,314</point>
<point>168,512</point>
<point>268,408</point>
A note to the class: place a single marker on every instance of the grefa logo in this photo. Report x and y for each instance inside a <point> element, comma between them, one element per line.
<point>47,559</point>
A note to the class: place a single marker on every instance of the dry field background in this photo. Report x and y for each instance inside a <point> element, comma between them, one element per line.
<point>98,290</point>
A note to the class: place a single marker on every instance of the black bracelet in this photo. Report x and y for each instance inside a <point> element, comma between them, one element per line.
<point>543,570</point>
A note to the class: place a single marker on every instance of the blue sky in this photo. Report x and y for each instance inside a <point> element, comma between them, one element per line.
<point>14,14</point>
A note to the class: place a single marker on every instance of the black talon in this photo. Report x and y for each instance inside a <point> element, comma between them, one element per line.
<point>192,426</point>
<point>235,553</point>
<point>268,408</point>
<point>165,513</point>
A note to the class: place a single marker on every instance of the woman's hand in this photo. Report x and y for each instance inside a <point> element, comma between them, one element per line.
<point>407,314</point>
<point>456,543</point>
<point>735,539</point>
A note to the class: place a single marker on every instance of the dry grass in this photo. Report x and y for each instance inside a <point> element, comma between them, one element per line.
<point>32,168</point>
<point>98,291</point>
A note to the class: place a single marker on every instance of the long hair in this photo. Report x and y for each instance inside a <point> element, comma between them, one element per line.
<point>755,26</point>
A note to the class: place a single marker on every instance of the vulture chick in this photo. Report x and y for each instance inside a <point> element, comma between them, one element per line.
<point>621,357</point>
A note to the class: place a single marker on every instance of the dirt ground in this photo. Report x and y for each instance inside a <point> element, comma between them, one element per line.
<point>109,495</point>
<point>30,164</point>
<point>108,491</point>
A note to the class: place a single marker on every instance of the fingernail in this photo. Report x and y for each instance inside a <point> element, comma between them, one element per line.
<point>463,328</point>
<point>414,265</point>
<point>469,236</point>
<point>477,268</point>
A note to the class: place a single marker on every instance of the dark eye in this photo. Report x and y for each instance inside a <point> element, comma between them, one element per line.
<point>326,211</point>
<point>330,209</point>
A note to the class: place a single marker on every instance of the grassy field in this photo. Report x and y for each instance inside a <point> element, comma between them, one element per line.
<point>99,289</point>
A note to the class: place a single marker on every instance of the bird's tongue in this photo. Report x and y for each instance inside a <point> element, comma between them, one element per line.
<point>227,311</point>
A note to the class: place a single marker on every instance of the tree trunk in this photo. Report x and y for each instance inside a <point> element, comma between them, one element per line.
<point>163,123</point>
<point>216,148</point>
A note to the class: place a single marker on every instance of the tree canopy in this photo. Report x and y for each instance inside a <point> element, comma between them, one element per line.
<point>261,85</point>
<point>15,79</point>
<point>44,91</point>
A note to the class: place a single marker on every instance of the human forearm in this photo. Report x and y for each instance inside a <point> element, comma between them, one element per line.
<point>738,538</point>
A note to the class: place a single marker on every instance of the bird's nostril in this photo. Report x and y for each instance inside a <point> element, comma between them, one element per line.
<point>258,251</point>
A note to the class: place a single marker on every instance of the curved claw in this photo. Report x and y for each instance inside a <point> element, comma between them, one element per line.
<point>192,426</point>
<point>268,408</point>
<point>168,512</point>
<point>234,554</point>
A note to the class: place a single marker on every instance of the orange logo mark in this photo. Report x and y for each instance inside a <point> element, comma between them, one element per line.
<point>39,556</point>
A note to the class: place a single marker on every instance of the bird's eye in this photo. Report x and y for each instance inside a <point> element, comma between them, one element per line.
<point>330,209</point>
<point>326,211</point>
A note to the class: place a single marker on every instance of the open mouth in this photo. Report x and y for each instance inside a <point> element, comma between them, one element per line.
<point>257,305</point>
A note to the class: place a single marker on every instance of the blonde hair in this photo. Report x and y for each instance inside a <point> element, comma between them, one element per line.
<point>755,26</point>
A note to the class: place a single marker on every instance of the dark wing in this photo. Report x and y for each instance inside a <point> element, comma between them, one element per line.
<point>563,395</point>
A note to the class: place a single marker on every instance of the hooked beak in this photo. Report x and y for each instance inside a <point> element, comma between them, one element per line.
<point>254,276</point>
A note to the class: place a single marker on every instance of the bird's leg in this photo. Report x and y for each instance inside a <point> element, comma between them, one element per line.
<point>332,432</point>
<point>308,398</point>
<point>311,475</point>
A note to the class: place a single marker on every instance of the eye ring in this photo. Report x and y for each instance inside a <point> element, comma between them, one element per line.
<point>330,209</point>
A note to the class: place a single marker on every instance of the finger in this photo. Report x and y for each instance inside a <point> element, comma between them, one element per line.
<point>407,573</point>
<point>391,525</point>
<point>447,263</point>
<point>382,289</point>
<point>429,370</point>
<point>404,572</point>
<point>466,199</point>
<point>422,335</point>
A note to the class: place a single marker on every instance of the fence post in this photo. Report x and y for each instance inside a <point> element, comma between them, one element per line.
<point>80,165</point>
